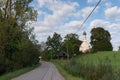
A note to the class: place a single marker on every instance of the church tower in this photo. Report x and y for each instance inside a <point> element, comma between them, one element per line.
<point>84,47</point>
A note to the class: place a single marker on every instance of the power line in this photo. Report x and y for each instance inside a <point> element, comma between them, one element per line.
<point>90,13</point>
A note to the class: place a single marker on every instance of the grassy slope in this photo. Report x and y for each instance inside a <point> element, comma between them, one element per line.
<point>114,56</point>
<point>11,75</point>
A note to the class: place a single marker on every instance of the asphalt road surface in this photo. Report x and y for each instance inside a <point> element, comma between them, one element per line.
<point>47,71</point>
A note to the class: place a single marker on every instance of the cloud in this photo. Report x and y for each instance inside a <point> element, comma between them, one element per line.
<point>73,24</point>
<point>105,24</point>
<point>108,4</point>
<point>60,11</point>
<point>87,10</point>
<point>55,20</point>
<point>76,14</point>
<point>66,31</point>
<point>58,15</point>
<point>41,13</point>
<point>92,1</point>
<point>99,23</point>
<point>116,44</point>
<point>41,29</point>
<point>113,13</point>
<point>44,2</point>
<point>115,26</point>
<point>42,36</point>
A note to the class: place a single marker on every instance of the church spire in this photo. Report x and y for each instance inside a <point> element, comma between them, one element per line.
<point>84,47</point>
<point>84,33</point>
<point>84,36</point>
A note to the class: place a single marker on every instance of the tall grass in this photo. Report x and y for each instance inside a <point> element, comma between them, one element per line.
<point>100,68</point>
<point>114,56</point>
<point>64,73</point>
<point>89,71</point>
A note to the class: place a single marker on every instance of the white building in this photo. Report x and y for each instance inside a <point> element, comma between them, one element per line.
<point>84,47</point>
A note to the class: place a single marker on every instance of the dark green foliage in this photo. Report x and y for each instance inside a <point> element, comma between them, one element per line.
<point>100,40</point>
<point>71,44</point>
<point>18,47</point>
<point>54,44</point>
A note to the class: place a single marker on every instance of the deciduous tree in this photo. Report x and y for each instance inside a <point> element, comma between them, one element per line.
<point>54,44</point>
<point>100,39</point>
<point>71,44</point>
<point>18,47</point>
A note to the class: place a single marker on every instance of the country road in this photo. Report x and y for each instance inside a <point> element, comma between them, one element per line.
<point>47,71</point>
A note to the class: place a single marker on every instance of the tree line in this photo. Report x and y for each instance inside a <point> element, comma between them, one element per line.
<point>18,46</point>
<point>99,41</point>
<point>55,44</point>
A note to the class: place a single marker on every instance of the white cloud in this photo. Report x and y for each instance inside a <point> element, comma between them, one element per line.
<point>43,36</point>
<point>73,24</point>
<point>87,10</point>
<point>76,14</point>
<point>67,31</point>
<point>105,24</point>
<point>42,29</point>
<point>58,15</point>
<point>40,13</point>
<point>116,44</point>
<point>52,22</point>
<point>115,26</point>
<point>108,4</point>
<point>92,1</point>
<point>44,2</point>
<point>113,13</point>
<point>60,11</point>
<point>99,23</point>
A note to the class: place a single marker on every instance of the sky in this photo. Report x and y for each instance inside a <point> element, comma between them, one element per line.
<point>66,16</point>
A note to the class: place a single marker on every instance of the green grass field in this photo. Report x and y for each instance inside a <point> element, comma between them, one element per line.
<point>113,56</point>
<point>95,58</point>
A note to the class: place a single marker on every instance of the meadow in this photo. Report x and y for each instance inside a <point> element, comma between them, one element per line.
<point>95,58</point>
<point>93,66</point>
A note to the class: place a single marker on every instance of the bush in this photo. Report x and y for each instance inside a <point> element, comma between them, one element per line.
<point>26,56</point>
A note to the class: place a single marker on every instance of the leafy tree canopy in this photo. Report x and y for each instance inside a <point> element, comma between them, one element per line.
<point>18,46</point>
<point>100,39</point>
<point>54,43</point>
<point>71,44</point>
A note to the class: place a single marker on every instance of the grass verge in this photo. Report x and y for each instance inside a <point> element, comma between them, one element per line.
<point>16,73</point>
<point>66,75</point>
